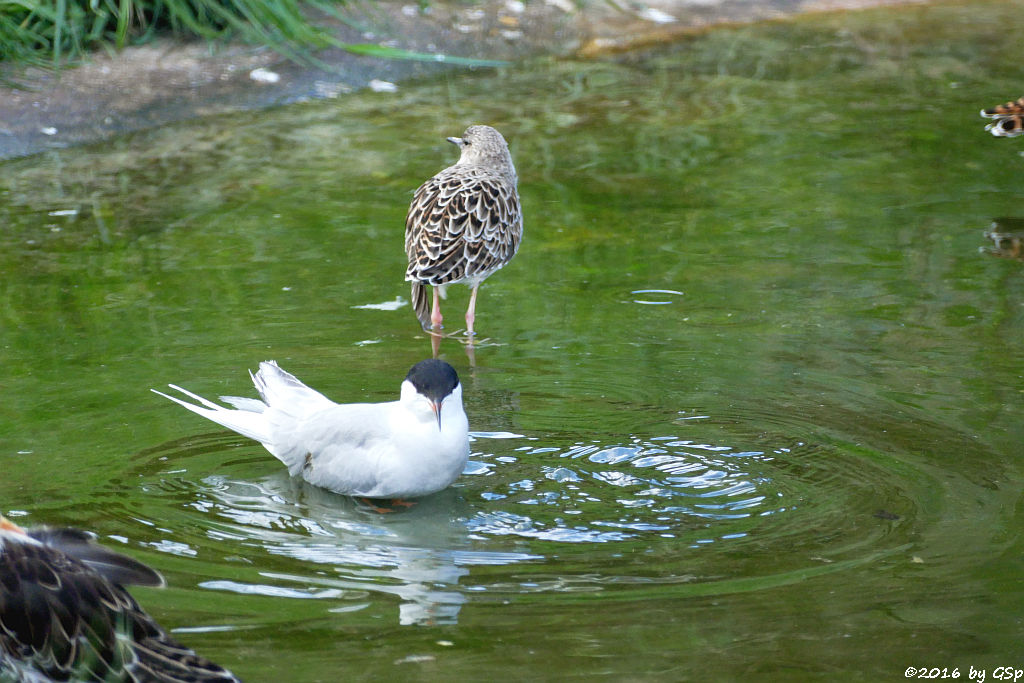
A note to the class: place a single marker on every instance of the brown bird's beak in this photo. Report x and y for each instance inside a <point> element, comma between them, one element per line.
<point>455,141</point>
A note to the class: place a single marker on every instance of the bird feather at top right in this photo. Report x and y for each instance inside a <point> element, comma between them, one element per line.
<point>1008,119</point>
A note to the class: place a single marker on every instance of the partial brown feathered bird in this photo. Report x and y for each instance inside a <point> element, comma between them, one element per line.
<point>463,224</point>
<point>1009,119</point>
<point>65,615</point>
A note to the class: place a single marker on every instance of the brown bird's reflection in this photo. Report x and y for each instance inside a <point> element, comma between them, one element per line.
<point>467,341</point>
<point>1007,235</point>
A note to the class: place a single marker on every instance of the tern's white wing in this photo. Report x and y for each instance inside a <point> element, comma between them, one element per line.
<point>347,448</point>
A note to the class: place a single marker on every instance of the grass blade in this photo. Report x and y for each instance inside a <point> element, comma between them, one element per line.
<point>123,16</point>
<point>31,30</point>
<point>58,38</point>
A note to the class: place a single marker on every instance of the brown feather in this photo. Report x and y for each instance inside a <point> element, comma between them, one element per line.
<point>65,614</point>
<point>421,303</point>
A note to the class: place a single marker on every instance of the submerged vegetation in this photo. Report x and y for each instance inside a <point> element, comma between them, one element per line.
<point>56,32</point>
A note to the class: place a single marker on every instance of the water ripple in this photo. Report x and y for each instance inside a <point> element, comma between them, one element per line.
<point>609,492</point>
<point>524,501</point>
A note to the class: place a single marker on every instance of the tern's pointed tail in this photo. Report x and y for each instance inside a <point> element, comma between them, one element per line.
<point>421,303</point>
<point>247,422</point>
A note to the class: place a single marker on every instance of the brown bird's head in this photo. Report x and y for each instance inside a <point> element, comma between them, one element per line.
<point>483,145</point>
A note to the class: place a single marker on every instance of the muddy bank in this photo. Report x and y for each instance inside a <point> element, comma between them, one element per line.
<point>168,81</point>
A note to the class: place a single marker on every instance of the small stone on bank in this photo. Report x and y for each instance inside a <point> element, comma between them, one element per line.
<point>656,15</point>
<point>262,75</point>
<point>377,85</point>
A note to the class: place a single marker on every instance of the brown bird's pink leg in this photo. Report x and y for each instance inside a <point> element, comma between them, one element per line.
<point>471,313</point>
<point>435,344</point>
<point>435,315</point>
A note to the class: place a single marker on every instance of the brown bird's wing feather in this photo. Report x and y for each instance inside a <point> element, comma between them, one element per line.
<point>113,566</point>
<point>462,224</point>
<point>62,617</point>
<point>421,303</point>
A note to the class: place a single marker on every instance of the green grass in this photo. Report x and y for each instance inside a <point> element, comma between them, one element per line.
<point>58,32</point>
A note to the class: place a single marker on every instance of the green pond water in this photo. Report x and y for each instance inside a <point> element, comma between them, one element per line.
<point>746,406</point>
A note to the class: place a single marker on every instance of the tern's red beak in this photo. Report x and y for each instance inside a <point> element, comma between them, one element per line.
<point>436,406</point>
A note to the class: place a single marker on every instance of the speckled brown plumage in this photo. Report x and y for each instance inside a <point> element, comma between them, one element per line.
<point>1009,119</point>
<point>65,615</point>
<point>464,223</point>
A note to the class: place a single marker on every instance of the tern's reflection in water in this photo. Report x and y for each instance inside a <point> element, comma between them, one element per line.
<point>418,555</point>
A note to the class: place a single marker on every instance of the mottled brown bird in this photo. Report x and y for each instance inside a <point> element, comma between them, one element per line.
<point>65,615</point>
<point>463,224</point>
<point>1009,119</point>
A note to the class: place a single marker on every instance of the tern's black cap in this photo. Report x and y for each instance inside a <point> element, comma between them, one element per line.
<point>433,378</point>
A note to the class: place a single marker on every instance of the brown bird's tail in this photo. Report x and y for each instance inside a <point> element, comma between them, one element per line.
<point>421,304</point>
